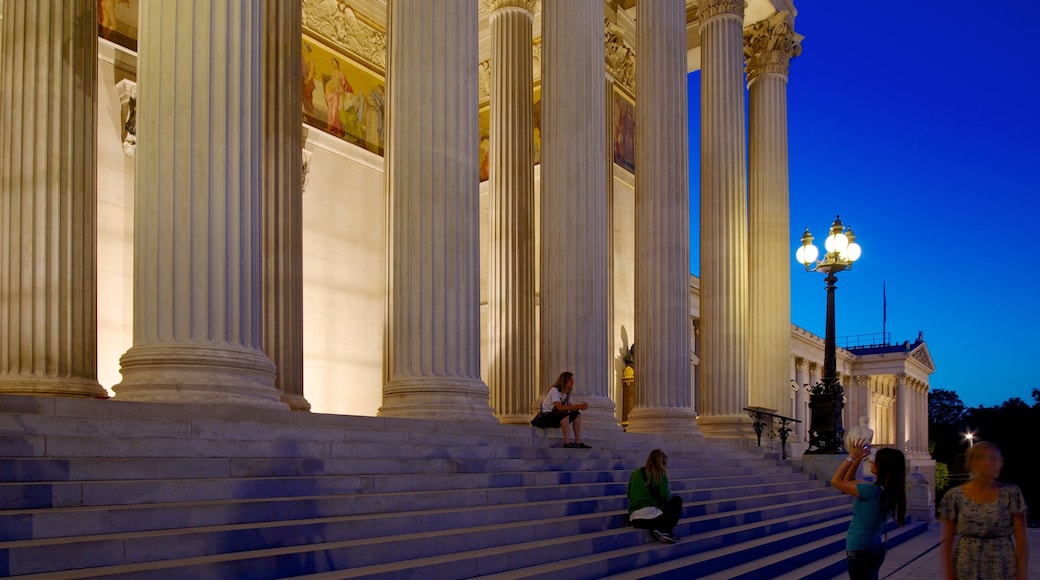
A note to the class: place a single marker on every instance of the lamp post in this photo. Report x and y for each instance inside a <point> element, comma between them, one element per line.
<point>827,398</point>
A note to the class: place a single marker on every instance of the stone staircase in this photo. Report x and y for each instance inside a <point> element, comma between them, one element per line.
<point>112,489</point>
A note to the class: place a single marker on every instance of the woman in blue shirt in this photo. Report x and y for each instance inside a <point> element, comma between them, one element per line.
<point>875,502</point>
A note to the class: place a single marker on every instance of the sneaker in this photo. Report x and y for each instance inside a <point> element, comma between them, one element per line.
<point>582,446</point>
<point>670,538</point>
<point>570,445</point>
<point>662,537</point>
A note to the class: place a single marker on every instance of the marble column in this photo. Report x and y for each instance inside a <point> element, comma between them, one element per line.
<point>664,394</point>
<point>724,260</point>
<point>769,47</point>
<point>512,376</point>
<point>902,406</point>
<point>573,312</point>
<point>198,279</point>
<point>283,198</point>
<point>48,199</point>
<point>433,366</point>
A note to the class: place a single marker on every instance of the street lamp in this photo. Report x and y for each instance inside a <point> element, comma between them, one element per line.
<point>971,438</point>
<point>827,398</point>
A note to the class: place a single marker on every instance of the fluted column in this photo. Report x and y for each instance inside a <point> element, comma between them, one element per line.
<point>512,376</point>
<point>48,198</point>
<point>900,411</point>
<point>769,47</point>
<point>724,259</point>
<point>664,394</point>
<point>573,313</point>
<point>283,198</point>
<point>434,311</point>
<point>198,309</point>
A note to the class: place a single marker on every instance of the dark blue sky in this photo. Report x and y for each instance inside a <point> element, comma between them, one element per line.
<point>919,123</point>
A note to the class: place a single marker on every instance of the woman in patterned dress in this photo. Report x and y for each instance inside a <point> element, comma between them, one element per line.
<point>989,519</point>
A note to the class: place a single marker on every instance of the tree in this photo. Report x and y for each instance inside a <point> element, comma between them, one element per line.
<point>945,408</point>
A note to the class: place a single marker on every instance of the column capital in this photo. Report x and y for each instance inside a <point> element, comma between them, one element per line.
<point>799,362</point>
<point>770,45</point>
<point>493,6</point>
<point>707,9</point>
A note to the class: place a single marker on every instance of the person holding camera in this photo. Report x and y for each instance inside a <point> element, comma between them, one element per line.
<point>875,503</point>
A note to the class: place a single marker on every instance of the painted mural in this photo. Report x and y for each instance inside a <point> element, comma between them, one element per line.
<point>341,97</point>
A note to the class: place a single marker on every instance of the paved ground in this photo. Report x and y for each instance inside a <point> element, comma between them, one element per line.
<point>919,558</point>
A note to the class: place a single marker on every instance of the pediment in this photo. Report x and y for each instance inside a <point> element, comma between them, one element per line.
<point>923,356</point>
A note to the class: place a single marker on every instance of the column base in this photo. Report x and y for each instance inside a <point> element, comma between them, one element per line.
<point>52,387</point>
<point>727,427</point>
<point>438,399</point>
<point>677,420</point>
<point>515,419</point>
<point>600,417</point>
<point>296,402</point>
<point>215,375</point>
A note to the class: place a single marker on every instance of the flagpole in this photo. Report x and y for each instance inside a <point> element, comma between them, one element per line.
<point>884,313</point>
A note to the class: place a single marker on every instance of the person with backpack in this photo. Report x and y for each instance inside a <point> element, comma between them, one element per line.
<point>651,506</point>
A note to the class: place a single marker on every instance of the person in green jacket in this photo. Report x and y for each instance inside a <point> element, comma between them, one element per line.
<point>650,503</point>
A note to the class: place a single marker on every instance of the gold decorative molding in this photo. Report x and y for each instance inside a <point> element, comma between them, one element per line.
<point>337,22</point>
<point>770,45</point>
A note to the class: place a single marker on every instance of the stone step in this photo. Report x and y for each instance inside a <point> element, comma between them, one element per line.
<point>832,562</point>
<point>16,524</point>
<point>413,546</point>
<point>27,414</point>
<point>99,489</point>
<point>53,494</point>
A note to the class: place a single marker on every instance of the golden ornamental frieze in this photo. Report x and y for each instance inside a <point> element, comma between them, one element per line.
<point>337,22</point>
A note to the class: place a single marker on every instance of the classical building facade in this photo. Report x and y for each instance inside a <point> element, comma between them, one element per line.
<point>483,194</point>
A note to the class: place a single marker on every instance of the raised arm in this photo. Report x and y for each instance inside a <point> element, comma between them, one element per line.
<point>844,478</point>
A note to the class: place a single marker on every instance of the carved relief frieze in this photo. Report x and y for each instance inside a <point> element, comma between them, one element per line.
<point>484,82</point>
<point>128,114</point>
<point>770,45</point>
<point>338,23</point>
<point>620,57</point>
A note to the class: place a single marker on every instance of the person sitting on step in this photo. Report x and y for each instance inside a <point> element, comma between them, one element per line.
<point>651,506</point>
<point>561,412</point>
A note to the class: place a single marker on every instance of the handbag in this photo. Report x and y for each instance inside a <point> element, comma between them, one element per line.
<point>543,420</point>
